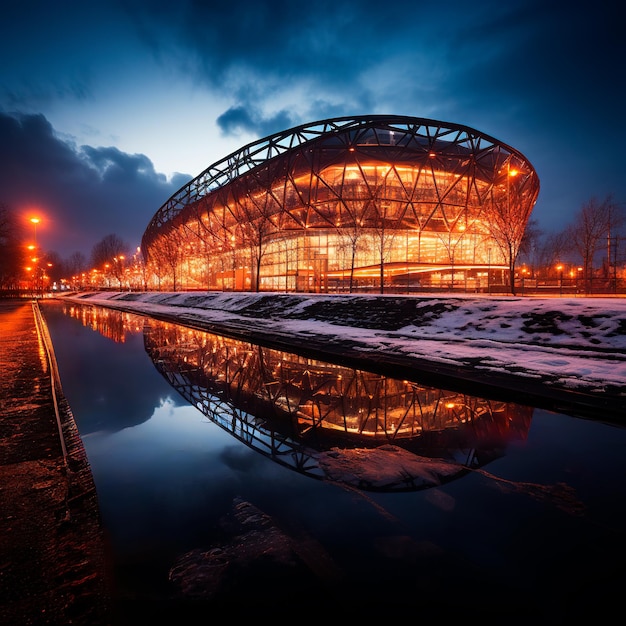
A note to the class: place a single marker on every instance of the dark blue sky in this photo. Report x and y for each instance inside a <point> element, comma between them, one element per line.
<point>107,108</point>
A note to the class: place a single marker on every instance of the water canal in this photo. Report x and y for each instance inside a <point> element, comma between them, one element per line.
<point>230,475</point>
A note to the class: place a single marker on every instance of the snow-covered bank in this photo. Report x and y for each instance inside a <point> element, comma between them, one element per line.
<point>576,344</point>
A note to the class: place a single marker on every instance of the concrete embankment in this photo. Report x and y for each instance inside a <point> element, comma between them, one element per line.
<point>53,559</point>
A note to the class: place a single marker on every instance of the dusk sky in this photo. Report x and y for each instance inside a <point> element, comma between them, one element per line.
<point>108,108</point>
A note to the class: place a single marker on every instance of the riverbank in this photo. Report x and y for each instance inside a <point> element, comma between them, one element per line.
<point>566,354</point>
<point>53,565</point>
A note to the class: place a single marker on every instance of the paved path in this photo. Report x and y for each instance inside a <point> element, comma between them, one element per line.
<point>52,555</point>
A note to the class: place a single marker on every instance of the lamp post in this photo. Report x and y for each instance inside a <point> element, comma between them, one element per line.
<point>560,270</point>
<point>34,222</point>
<point>47,276</point>
<point>509,174</point>
<point>118,268</point>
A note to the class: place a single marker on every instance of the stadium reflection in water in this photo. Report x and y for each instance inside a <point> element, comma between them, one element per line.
<point>324,420</point>
<point>315,490</point>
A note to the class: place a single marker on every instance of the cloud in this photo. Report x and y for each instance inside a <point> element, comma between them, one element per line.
<point>251,120</point>
<point>295,57</point>
<point>278,38</point>
<point>117,167</point>
<point>188,83</point>
<point>83,193</point>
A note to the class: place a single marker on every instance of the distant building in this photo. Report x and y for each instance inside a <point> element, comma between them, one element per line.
<point>369,203</point>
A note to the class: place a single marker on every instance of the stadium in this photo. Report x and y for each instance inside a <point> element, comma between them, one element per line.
<point>362,204</point>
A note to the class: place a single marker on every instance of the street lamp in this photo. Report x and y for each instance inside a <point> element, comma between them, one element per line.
<point>35,221</point>
<point>118,268</point>
<point>524,272</point>
<point>46,278</point>
<point>560,270</point>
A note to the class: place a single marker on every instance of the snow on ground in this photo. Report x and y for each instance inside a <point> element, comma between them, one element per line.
<point>576,343</point>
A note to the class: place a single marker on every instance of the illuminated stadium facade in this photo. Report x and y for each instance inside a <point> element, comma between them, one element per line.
<point>370,203</point>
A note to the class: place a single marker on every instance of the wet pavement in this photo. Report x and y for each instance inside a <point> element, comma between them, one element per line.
<point>53,557</point>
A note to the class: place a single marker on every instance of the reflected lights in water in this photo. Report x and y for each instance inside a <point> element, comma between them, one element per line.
<point>322,419</point>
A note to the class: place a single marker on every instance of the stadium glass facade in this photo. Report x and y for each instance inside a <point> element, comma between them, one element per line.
<point>371,203</point>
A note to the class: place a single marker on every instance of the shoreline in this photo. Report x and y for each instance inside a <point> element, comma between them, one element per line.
<point>308,325</point>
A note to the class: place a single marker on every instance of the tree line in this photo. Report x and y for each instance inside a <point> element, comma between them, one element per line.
<point>594,239</point>
<point>16,257</point>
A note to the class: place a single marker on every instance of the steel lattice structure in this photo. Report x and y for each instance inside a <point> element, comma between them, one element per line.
<point>345,203</point>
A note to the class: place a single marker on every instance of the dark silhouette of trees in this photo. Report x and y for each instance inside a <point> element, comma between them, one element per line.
<point>75,264</point>
<point>555,249</point>
<point>592,226</point>
<point>53,267</point>
<point>107,249</point>
<point>12,251</point>
<point>530,251</point>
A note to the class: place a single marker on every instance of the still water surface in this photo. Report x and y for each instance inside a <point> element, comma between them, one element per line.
<point>229,474</point>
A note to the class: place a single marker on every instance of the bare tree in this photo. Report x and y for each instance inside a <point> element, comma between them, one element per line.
<point>507,221</point>
<point>616,221</point>
<point>451,241</point>
<point>75,264</point>
<point>12,253</point>
<point>350,244</point>
<point>352,210</point>
<point>592,224</point>
<point>531,242</point>
<point>107,249</point>
<point>382,233</point>
<point>7,223</point>
<point>154,267</point>
<point>553,249</point>
<point>255,228</point>
<point>172,254</point>
<point>53,266</point>
<point>209,235</point>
